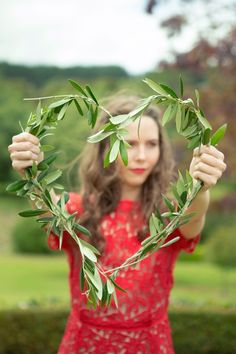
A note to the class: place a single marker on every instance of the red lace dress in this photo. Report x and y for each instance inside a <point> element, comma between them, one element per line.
<point>140,325</point>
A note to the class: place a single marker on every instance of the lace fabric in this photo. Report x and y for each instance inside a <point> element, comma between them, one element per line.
<point>140,324</point>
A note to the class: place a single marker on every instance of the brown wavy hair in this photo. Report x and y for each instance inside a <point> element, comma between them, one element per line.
<point>101,188</point>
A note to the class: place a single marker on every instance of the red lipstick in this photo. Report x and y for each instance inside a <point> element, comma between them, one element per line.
<point>138,170</point>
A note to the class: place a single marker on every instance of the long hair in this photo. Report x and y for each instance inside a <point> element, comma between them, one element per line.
<point>101,188</point>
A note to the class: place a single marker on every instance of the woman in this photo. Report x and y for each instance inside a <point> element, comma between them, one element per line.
<point>115,204</point>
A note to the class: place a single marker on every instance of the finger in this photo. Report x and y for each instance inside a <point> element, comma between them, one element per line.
<point>23,155</point>
<point>212,161</point>
<point>21,165</point>
<point>209,170</point>
<point>25,137</point>
<point>24,146</point>
<point>211,150</point>
<point>209,181</point>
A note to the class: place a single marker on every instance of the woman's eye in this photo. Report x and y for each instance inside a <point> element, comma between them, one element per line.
<point>131,143</point>
<point>152,143</point>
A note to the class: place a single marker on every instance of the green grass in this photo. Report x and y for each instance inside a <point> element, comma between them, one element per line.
<point>9,209</point>
<point>28,281</point>
<point>204,284</point>
<point>31,281</point>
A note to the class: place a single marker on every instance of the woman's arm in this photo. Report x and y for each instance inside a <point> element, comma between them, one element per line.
<point>208,166</point>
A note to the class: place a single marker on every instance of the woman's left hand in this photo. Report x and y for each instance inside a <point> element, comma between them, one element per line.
<point>207,165</point>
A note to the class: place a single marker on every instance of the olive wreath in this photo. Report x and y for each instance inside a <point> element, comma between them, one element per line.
<point>96,283</point>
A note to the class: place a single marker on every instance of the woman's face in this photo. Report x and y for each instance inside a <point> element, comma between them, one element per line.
<point>143,154</point>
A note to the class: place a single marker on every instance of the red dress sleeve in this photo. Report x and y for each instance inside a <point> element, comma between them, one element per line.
<point>73,205</point>
<point>184,244</point>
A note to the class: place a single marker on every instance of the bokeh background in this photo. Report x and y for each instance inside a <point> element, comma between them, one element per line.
<point>113,46</point>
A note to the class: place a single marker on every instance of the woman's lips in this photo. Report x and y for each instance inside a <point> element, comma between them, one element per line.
<point>138,170</point>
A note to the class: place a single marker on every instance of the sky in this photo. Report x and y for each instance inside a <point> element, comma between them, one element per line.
<point>84,32</point>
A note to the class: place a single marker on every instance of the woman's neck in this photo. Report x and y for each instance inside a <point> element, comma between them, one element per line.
<point>130,193</point>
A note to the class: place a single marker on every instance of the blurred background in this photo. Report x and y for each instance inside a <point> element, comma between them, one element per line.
<point>113,46</point>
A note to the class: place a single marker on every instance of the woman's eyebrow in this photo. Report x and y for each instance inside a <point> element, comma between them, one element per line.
<point>133,139</point>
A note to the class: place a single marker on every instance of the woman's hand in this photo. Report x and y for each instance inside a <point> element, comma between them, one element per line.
<point>25,149</point>
<point>207,165</point>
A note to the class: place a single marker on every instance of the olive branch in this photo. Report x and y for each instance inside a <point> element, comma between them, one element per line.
<point>98,284</point>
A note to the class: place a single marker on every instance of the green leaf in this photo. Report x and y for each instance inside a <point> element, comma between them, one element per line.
<point>168,203</point>
<point>46,148</point>
<point>50,159</point>
<point>203,121</point>
<point>114,151</point>
<point>148,249</point>
<point>123,153</point>
<point>29,213</point>
<point>116,285</point>
<point>152,227</point>
<point>176,194</point>
<point>189,180</point>
<point>16,186</point>
<point>115,299</point>
<point>58,186</point>
<point>101,135</point>
<point>218,135</point>
<point>184,219</point>
<point>92,116</point>
<point>99,284</point>
<point>45,220</point>
<point>156,87</point>
<point>180,185</point>
<point>95,280</point>
<point>110,286</point>
<point>193,129</point>
<point>183,196</point>
<point>82,229</point>
<point>169,114</point>
<point>170,242</point>
<point>169,90</point>
<point>178,118</point>
<point>181,86</point>
<point>106,159</point>
<point>53,176</point>
<point>81,278</point>
<point>60,103</point>
<point>78,87</point>
<point>34,169</point>
<point>91,94</point>
<point>157,223</point>
<point>63,111</point>
<point>91,247</point>
<point>119,119</point>
<point>79,109</point>
<point>89,254</point>
<point>38,112</point>
<point>194,142</point>
<point>206,136</point>
<point>105,294</point>
<point>89,264</point>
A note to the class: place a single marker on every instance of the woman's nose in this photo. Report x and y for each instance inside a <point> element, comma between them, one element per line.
<point>141,153</point>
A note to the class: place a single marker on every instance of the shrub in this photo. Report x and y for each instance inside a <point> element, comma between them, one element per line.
<point>214,221</point>
<point>40,332</point>
<point>28,237</point>
<point>221,247</point>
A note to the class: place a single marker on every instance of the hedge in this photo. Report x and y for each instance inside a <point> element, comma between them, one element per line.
<point>40,331</point>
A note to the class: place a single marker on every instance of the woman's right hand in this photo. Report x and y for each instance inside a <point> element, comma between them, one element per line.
<point>25,149</point>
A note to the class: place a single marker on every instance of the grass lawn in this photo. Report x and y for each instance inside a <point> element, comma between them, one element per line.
<point>32,280</point>
<point>28,281</point>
